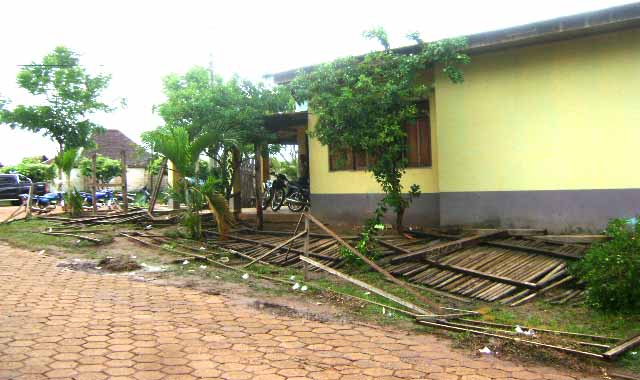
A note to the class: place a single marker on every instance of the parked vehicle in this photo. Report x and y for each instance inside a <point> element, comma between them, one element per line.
<point>13,185</point>
<point>296,193</point>
<point>298,198</point>
<point>46,200</point>
<point>104,197</point>
<point>267,192</point>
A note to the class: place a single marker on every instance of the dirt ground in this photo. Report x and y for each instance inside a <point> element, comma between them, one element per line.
<point>68,320</point>
<point>6,211</point>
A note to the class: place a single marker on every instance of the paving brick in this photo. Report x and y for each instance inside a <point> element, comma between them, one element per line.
<point>59,324</point>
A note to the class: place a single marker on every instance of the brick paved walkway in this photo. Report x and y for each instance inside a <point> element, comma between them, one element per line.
<point>57,323</point>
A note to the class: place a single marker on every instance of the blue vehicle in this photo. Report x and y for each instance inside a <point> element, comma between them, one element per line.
<point>44,201</point>
<point>105,196</point>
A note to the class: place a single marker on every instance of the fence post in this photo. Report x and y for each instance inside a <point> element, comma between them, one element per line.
<point>123,175</point>
<point>28,205</point>
<point>306,248</point>
<point>258,182</point>
<point>93,184</point>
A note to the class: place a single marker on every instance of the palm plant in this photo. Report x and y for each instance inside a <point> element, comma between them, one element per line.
<point>65,161</point>
<point>184,152</point>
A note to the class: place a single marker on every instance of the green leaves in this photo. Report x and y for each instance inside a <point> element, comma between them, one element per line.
<point>106,168</point>
<point>364,103</point>
<point>69,97</point>
<point>611,269</point>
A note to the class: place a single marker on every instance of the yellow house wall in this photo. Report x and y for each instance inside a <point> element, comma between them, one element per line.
<point>324,181</point>
<point>557,116</point>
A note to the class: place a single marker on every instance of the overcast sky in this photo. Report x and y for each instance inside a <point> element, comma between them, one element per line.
<point>139,42</point>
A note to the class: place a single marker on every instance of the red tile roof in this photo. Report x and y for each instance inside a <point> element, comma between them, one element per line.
<point>112,142</point>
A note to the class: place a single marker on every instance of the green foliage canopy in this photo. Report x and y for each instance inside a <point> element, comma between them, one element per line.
<point>365,102</point>
<point>67,97</point>
<point>36,171</point>
<point>202,102</point>
<point>611,269</point>
<point>106,169</point>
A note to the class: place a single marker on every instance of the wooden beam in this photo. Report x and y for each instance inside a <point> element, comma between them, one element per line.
<point>93,185</point>
<point>277,247</point>
<point>364,285</point>
<point>542,251</point>
<point>236,157</point>
<point>156,187</point>
<point>515,339</point>
<point>123,175</point>
<point>373,265</point>
<point>571,239</point>
<point>622,347</point>
<point>447,247</point>
<point>258,185</point>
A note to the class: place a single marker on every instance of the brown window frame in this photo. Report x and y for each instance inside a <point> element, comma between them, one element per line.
<point>419,157</point>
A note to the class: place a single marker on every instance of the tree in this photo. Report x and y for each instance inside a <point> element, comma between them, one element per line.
<point>35,170</point>
<point>365,102</point>
<point>67,97</point>
<point>66,161</point>
<point>106,169</point>
<point>202,102</point>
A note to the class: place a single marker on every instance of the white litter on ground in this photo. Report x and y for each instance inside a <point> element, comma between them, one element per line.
<point>203,249</point>
<point>185,262</point>
<point>98,268</point>
<point>485,350</point>
<point>134,257</point>
<point>203,267</point>
<point>292,278</point>
<point>245,276</point>
<point>304,288</point>
<point>41,252</point>
<point>224,259</point>
<point>148,227</point>
<point>295,286</point>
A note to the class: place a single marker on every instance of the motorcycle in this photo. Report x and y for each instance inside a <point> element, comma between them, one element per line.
<point>44,201</point>
<point>296,194</point>
<point>104,197</point>
<point>267,192</point>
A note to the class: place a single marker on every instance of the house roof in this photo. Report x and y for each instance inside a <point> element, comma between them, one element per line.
<point>112,142</point>
<point>562,28</point>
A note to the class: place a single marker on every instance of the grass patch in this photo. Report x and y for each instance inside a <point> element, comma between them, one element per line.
<point>26,234</point>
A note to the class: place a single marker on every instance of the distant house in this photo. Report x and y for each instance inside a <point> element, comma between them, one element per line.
<point>542,133</point>
<point>110,144</point>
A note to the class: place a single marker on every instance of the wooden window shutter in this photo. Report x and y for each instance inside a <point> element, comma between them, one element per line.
<point>413,153</point>
<point>424,137</point>
<point>340,159</point>
<point>360,159</point>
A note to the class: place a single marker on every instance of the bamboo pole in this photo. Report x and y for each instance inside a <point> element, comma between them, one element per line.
<point>123,175</point>
<point>258,184</point>
<point>277,247</point>
<point>93,184</point>
<point>156,187</point>
<point>373,265</point>
<point>306,248</point>
<point>366,286</point>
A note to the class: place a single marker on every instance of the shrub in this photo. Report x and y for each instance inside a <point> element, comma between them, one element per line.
<point>611,270</point>
<point>36,171</point>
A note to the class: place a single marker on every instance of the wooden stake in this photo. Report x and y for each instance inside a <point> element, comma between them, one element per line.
<point>364,285</point>
<point>277,247</point>
<point>258,184</point>
<point>372,264</point>
<point>236,182</point>
<point>622,347</point>
<point>93,184</point>
<point>28,205</point>
<point>156,187</point>
<point>306,248</point>
<point>123,175</point>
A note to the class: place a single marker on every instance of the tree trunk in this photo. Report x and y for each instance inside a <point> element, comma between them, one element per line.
<point>236,193</point>
<point>399,218</point>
